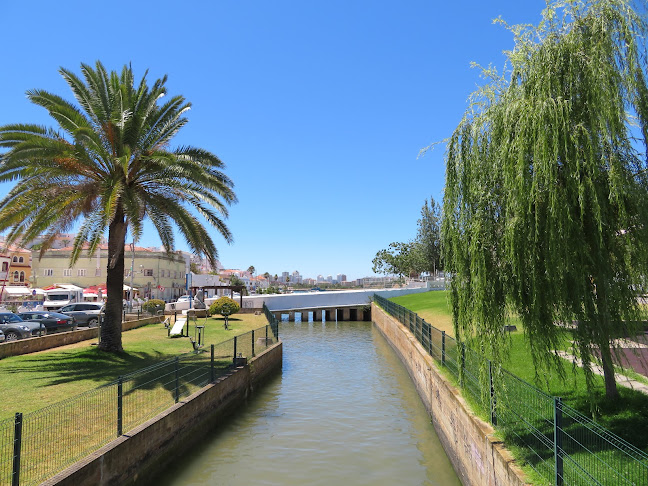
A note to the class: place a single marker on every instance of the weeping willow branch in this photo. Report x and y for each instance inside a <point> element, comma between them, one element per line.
<point>545,212</point>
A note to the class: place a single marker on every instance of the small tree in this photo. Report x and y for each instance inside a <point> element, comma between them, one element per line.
<point>224,307</point>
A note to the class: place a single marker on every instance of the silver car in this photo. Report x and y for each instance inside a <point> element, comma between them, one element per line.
<point>84,313</point>
<point>14,327</point>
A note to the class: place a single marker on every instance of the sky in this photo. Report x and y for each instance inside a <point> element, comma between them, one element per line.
<point>317,108</point>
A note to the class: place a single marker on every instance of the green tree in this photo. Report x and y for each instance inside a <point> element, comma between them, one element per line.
<point>545,208</point>
<point>428,236</point>
<point>402,259</point>
<point>224,307</point>
<point>108,165</point>
<point>252,270</point>
<point>193,267</point>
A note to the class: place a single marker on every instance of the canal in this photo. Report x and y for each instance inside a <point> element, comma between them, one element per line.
<point>343,411</point>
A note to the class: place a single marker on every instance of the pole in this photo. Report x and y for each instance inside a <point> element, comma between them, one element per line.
<point>15,477</point>
<point>132,245</point>
<point>120,403</point>
<point>177,379</point>
<point>212,376</point>
<point>558,480</point>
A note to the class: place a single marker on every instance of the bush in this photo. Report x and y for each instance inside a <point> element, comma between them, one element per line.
<point>153,306</point>
<point>225,307</point>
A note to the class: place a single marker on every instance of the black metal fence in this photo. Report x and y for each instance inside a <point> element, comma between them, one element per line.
<point>562,445</point>
<point>35,446</point>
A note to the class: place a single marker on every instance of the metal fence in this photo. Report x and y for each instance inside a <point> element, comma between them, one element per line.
<point>36,445</point>
<point>562,445</point>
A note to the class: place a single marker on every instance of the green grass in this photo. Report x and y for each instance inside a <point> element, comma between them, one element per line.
<point>626,417</point>
<point>34,381</point>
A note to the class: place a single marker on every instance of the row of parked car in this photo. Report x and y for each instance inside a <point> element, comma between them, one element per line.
<point>38,323</point>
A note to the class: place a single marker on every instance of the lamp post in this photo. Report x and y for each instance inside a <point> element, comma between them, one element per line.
<point>132,271</point>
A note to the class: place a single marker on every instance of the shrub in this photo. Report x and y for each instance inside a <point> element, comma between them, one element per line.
<point>225,307</point>
<point>153,306</point>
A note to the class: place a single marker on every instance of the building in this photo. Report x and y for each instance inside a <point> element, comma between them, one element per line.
<point>153,272</point>
<point>16,266</point>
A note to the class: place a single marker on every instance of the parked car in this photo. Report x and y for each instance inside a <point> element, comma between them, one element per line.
<point>2,337</point>
<point>14,327</point>
<point>84,313</point>
<point>53,321</point>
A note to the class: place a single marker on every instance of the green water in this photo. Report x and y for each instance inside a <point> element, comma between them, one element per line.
<point>343,411</point>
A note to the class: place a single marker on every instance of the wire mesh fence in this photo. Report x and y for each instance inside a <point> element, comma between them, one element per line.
<point>563,446</point>
<point>37,445</point>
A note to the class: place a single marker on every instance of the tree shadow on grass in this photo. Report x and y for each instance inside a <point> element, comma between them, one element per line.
<point>92,364</point>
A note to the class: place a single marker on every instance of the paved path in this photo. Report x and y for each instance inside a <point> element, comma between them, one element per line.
<point>620,379</point>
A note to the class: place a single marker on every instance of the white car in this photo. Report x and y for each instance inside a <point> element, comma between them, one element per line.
<point>183,298</point>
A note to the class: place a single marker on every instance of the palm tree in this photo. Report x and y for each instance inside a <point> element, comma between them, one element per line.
<point>108,166</point>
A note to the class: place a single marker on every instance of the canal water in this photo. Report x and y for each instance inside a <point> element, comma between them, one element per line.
<point>343,412</point>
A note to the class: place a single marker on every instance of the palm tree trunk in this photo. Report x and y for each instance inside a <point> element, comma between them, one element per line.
<point>112,326</point>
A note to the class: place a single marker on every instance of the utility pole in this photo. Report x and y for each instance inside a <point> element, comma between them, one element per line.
<point>132,245</point>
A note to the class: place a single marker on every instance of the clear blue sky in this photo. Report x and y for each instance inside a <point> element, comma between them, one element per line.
<point>318,108</point>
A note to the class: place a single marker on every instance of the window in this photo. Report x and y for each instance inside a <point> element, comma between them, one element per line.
<point>22,277</point>
<point>21,260</point>
<point>15,276</point>
<point>98,272</point>
<point>15,259</point>
<point>148,272</point>
<point>5,266</point>
<point>48,272</point>
<point>67,272</point>
<point>81,272</point>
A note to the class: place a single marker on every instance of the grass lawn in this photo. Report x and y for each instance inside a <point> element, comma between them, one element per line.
<point>627,417</point>
<point>33,381</point>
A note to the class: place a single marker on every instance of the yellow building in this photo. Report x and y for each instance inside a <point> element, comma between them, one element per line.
<point>155,274</point>
<point>16,267</point>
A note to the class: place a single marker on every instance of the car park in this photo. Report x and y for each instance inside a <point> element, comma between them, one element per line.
<point>53,321</point>
<point>84,313</point>
<point>14,327</point>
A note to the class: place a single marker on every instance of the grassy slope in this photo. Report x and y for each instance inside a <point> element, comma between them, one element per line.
<point>627,417</point>
<point>33,381</point>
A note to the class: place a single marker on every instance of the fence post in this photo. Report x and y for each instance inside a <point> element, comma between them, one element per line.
<point>443,348</point>
<point>493,402</point>
<point>177,379</point>
<point>15,477</point>
<point>266,341</point>
<point>234,359</point>
<point>253,343</point>
<point>429,339</point>
<point>211,373</point>
<point>120,404</point>
<point>558,441</point>
<point>463,365</point>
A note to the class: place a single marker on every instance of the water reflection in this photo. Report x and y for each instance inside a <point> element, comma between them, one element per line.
<point>343,411</point>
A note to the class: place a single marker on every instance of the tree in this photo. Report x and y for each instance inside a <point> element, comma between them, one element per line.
<point>429,236</point>
<point>545,208</point>
<point>251,269</point>
<point>399,259</point>
<point>224,307</point>
<point>193,267</point>
<point>108,165</point>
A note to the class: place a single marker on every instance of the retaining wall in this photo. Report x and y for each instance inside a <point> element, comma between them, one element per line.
<point>143,452</point>
<point>54,340</point>
<point>477,456</point>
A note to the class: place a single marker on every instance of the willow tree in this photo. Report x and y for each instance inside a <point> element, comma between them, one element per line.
<point>546,200</point>
<point>106,168</point>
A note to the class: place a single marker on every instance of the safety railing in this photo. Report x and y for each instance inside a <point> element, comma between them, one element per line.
<point>563,446</point>
<point>35,446</point>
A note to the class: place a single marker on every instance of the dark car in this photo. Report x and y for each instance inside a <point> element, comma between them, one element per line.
<point>14,327</point>
<point>53,321</point>
<point>84,313</point>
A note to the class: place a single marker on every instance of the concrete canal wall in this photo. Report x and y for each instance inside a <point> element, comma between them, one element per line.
<point>141,452</point>
<point>477,456</point>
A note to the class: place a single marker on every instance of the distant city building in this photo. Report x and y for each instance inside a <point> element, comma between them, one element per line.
<point>341,277</point>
